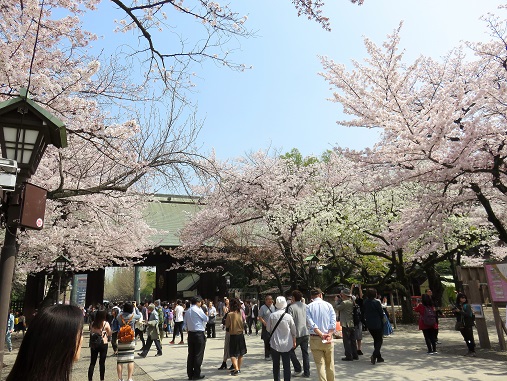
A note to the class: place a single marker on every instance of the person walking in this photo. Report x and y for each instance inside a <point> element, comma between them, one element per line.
<point>428,323</point>
<point>297,309</point>
<point>373,315</point>
<point>234,324</point>
<point>21,326</point>
<point>210,327</point>
<point>264,312</point>
<point>345,307</point>
<point>168,318</point>
<point>195,322</point>
<point>140,323</point>
<point>465,321</point>
<point>387,328</point>
<point>249,319</point>
<point>321,318</point>
<point>101,327</point>
<point>178,322</point>
<point>153,332</point>
<point>282,331</point>
<point>115,327</point>
<point>129,316</point>
<point>358,316</point>
<point>436,304</point>
<point>160,314</point>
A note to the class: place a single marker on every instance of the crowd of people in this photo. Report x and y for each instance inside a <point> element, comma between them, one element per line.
<point>285,325</point>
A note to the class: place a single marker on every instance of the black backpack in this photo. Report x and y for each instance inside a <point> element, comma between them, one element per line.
<point>429,317</point>
<point>95,340</point>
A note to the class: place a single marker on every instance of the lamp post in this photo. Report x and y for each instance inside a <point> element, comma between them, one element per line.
<point>312,261</point>
<point>61,264</point>
<point>227,277</point>
<point>26,129</point>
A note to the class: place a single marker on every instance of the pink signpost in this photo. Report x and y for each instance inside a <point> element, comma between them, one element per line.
<point>497,281</point>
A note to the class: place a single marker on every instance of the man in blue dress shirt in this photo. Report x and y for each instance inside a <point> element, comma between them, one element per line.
<point>194,322</point>
<point>321,321</point>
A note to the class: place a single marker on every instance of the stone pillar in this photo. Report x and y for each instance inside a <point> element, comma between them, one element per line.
<point>171,288</point>
<point>34,294</point>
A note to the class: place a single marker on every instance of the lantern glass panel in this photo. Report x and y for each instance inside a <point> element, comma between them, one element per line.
<point>60,266</point>
<point>20,143</point>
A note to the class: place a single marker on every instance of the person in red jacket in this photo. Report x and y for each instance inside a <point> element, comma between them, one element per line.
<point>428,323</point>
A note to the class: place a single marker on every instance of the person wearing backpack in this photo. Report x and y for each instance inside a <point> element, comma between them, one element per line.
<point>100,332</point>
<point>428,323</point>
<point>358,317</point>
<point>465,321</point>
<point>345,306</point>
<point>126,339</point>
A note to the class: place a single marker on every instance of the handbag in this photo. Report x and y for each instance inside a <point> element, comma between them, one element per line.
<point>460,324</point>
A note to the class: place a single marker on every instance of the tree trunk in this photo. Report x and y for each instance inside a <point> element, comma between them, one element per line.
<point>404,291</point>
<point>435,284</point>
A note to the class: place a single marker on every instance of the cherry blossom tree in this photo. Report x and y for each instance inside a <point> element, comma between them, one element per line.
<point>117,153</point>
<point>441,121</point>
<point>258,207</point>
<point>121,146</point>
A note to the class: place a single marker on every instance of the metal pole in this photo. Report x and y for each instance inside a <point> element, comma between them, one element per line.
<point>59,281</point>
<point>64,293</point>
<point>7,263</point>
<point>137,284</point>
<point>73,291</point>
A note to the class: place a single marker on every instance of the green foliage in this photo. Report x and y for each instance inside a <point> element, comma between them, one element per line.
<point>297,158</point>
<point>120,285</point>
<point>148,283</point>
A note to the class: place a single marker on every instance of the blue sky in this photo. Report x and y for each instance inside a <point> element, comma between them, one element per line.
<point>281,103</point>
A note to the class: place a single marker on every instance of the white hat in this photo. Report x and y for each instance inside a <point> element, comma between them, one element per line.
<point>280,303</point>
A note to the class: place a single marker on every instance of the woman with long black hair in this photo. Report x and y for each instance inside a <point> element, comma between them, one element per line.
<point>101,327</point>
<point>465,321</point>
<point>51,345</point>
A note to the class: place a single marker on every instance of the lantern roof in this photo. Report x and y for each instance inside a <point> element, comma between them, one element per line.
<point>56,127</point>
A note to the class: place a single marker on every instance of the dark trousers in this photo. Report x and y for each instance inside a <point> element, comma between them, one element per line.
<point>178,328</point>
<point>378,339</point>
<point>430,337</point>
<point>102,351</point>
<point>210,330</point>
<point>149,341</point>
<point>349,342</point>
<point>266,337</point>
<point>141,336</point>
<point>468,336</point>
<point>196,345</point>
<point>114,341</point>
<point>249,322</point>
<point>275,356</point>
<point>301,342</point>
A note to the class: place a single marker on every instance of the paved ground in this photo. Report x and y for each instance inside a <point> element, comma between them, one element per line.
<point>404,352</point>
